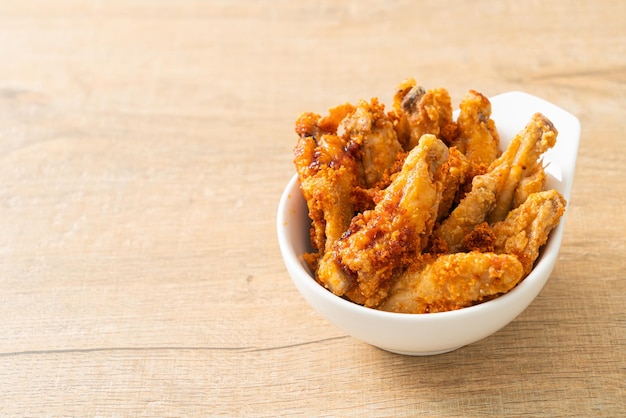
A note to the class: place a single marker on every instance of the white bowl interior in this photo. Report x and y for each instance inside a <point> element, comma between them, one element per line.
<point>423,334</point>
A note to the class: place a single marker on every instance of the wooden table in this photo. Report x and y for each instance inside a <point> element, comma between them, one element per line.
<point>143,149</point>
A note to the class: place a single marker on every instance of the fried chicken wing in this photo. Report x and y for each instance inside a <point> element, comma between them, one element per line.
<point>327,174</point>
<point>477,135</point>
<point>381,241</point>
<point>370,128</point>
<point>330,206</point>
<point>472,210</point>
<point>453,281</point>
<point>349,149</point>
<point>427,112</point>
<point>526,229</point>
<point>491,196</point>
<point>326,179</point>
<point>523,155</point>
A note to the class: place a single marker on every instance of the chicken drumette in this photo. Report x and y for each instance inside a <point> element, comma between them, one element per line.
<point>383,241</point>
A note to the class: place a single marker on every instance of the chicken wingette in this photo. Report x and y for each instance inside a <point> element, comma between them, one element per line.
<point>453,281</point>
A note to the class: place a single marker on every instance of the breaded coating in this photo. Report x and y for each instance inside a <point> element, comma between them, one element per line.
<point>477,135</point>
<point>427,112</point>
<point>522,155</point>
<point>453,174</point>
<point>472,210</point>
<point>481,239</point>
<point>526,229</point>
<point>349,149</point>
<point>533,180</point>
<point>327,173</point>
<point>453,281</point>
<point>369,127</point>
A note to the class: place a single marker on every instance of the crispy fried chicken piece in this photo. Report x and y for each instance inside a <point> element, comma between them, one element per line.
<point>348,150</point>
<point>526,229</point>
<point>370,128</point>
<point>427,112</point>
<point>472,210</point>
<point>453,281</point>
<point>477,135</point>
<point>492,193</point>
<point>326,177</point>
<point>330,205</point>
<point>327,174</point>
<point>454,173</point>
<point>523,155</point>
<point>384,240</point>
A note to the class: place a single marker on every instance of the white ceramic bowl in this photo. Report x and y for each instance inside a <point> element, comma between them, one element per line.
<point>425,334</point>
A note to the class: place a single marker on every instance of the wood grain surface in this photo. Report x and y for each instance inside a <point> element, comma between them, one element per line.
<point>143,149</point>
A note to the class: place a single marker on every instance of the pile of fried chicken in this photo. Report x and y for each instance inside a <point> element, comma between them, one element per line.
<point>415,212</point>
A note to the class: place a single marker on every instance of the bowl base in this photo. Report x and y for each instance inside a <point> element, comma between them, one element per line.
<point>421,353</point>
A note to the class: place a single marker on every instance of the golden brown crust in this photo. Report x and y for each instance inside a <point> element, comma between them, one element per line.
<point>477,136</point>
<point>453,281</point>
<point>387,238</point>
<point>526,228</point>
